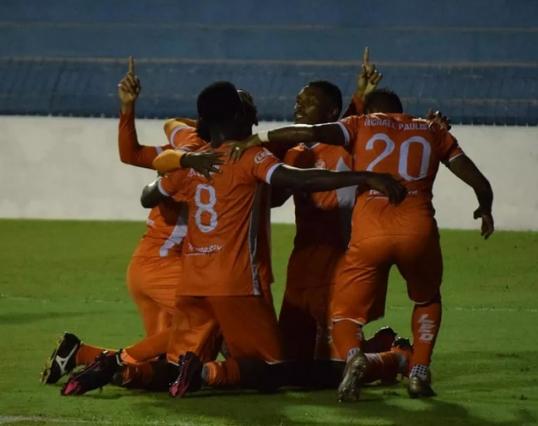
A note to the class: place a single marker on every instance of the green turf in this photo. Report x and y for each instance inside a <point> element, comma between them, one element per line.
<point>58,276</point>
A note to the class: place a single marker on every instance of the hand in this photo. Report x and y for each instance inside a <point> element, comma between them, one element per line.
<point>388,185</point>
<point>237,148</point>
<point>369,77</point>
<point>129,86</point>
<point>487,222</point>
<point>204,163</point>
<point>439,119</point>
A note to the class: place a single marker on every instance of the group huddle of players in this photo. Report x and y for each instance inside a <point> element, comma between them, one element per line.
<point>201,275</point>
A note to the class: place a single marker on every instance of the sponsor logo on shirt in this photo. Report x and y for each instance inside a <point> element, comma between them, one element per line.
<point>262,155</point>
<point>203,250</point>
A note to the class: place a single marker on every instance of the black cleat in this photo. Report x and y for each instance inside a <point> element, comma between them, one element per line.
<point>350,386</point>
<point>189,378</point>
<point>381,341</point>
<point>96,375</point>
<point>419,387</point>
<point>62,360</point>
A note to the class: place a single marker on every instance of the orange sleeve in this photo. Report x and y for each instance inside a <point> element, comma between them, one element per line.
<point>261,163</point>
<point>350,128</point>
<point>291,157</point>
<point>355,107</point>
<point>131,152</point>
<point>173,129</point>
<point>449,148</point>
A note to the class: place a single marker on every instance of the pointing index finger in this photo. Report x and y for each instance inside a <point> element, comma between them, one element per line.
<point>366,56</point>
<point>131,69</point>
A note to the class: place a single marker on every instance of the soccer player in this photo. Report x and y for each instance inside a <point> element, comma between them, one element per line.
<point>220,257</point>
<point>406,235</point>
<point>155,266</point>
<point>323,222</point>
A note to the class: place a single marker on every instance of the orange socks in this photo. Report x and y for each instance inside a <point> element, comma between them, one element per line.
<point>221,373</point>
<point>146,349</point>
<point>346,336</point>
<point>384,366</point>
<point>426,321</point>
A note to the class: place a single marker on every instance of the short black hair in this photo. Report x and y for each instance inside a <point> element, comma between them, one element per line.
<point>218,103</point>
<point>330,90</point>
<point>382,100</point>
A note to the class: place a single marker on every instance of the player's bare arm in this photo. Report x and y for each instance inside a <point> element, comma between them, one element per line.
<point>368,78</point>
<point>464,168</point>
<point>279,196</point>
<point>203,162</point>
<point>329,133</point>
<point>316,180</point>
<point>130,150</point>
<point>367,81</point>
<point>439,119</point>
<point>129,88</point>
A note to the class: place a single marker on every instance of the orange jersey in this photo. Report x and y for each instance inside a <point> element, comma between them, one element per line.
<point>221,251</point>
<point>166,223</point>
<point>408,148</point>
<point>131,152</point>
<point>322,217</point>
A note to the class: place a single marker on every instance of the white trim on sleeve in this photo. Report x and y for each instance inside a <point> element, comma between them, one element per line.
<point>158,149</point>
<point>177,129</point>
<point>455,156</point>
<point>271,171</point>
<point>345,131</point>
<point>161,189</point>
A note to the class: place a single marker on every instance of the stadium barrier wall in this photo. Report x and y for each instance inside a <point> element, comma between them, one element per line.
<point>69,168</point>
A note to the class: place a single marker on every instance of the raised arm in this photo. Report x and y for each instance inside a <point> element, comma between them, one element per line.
<point>367,81</point>
<point>464,168</point>
<point>130,150</point>
<point>316,180</point>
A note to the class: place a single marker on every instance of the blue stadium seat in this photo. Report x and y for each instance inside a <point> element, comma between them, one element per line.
<point>61,57</point>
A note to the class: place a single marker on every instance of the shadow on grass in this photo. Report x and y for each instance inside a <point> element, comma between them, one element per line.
<point>484,383</point>
<point>321,408</point>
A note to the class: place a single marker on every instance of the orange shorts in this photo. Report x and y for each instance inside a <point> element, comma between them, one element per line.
<point>152,282</point>
<point>360,288</point>
<point>247,323</point>
<point>303,317</point>
<point>303,323</point>
<point>313,266</point>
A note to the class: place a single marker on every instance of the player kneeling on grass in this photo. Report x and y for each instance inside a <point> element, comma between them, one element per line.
<point>383,234</point>
<point>221,258</point>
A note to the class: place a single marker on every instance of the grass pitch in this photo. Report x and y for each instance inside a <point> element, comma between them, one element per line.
<point>58,275</point>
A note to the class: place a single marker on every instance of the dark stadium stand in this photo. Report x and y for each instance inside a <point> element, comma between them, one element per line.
<point>475,60</point>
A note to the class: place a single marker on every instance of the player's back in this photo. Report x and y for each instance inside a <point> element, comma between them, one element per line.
<point>409,148</point>
<point>322,217</point>
<point>222,246</point>
<point>167,222</point>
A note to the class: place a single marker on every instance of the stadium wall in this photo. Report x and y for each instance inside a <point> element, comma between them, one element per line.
<point>68,168</point>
